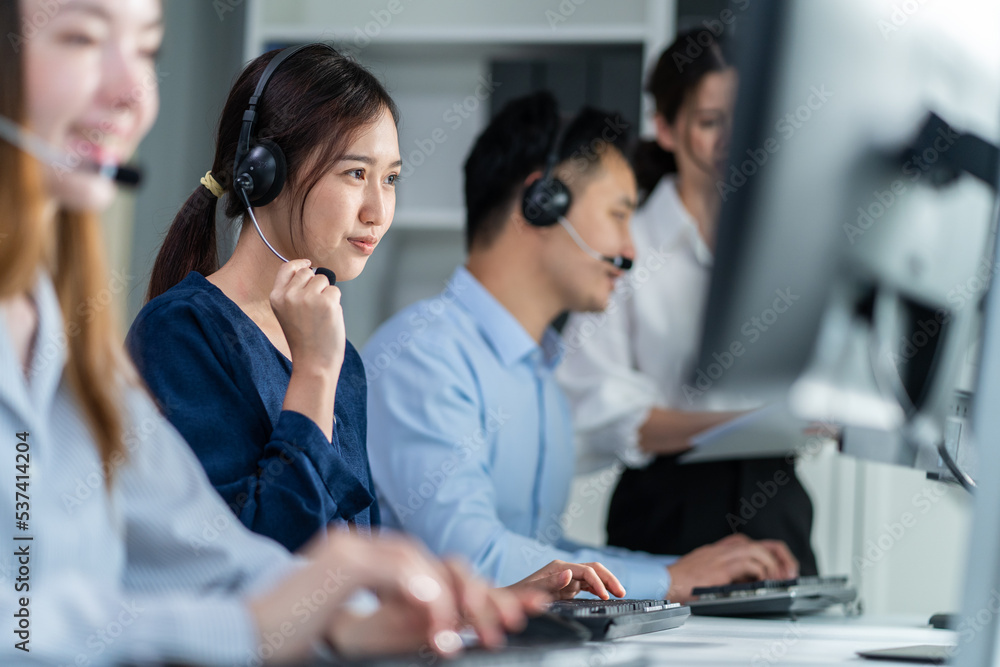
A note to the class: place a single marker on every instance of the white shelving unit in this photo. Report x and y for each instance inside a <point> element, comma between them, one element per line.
<point>433,55</point>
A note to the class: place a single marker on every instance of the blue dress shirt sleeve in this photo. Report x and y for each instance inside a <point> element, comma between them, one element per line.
<point>286,480</point>
<point>433,474</point>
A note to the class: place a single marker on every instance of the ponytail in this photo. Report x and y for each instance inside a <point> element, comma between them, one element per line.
<point>651,163</point>
<point>190,244</point>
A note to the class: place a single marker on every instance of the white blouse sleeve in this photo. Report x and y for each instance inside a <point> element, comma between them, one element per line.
<point>609,397</point>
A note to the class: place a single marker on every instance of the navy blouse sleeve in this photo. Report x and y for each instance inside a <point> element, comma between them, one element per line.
<point>284,480</point>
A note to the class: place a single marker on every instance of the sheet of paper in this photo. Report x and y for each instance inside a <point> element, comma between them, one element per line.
<point>769,432</point>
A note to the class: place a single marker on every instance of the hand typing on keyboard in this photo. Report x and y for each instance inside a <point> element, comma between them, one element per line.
<point>732,559</point>
<point>564,580</point>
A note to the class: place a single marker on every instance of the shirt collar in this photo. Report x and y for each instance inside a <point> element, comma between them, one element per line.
<point>501,330</point>
<point>665,197</point>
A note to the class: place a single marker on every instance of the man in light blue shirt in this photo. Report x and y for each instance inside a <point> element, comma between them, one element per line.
<point>470,437</point>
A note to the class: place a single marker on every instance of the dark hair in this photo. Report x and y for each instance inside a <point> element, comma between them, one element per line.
<point>516,143</point>
<point>317,101</point>
<point>678,72</point>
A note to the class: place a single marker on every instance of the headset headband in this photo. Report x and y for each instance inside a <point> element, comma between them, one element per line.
<point>250,115</point>
<point>562,126</point>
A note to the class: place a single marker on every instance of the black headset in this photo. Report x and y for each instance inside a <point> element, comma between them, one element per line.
<point>548,199</point>
<point>259,170</point>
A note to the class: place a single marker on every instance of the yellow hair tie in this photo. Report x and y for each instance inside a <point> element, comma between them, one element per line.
<point>213,185</point>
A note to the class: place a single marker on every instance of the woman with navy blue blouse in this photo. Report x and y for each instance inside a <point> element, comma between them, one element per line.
<point>250,361</point>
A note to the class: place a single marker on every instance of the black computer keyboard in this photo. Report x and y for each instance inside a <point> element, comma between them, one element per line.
<point>611,619</point>
<point>802,595</point>
<point>769,584</point>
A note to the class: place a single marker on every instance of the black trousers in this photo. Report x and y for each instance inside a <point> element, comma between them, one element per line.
<point>669,508</point>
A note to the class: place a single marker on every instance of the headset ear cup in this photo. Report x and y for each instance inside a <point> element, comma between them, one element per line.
<point>280,171</point>
<point>265,164</point>
<point>545,201</point>
<point>530,207</point>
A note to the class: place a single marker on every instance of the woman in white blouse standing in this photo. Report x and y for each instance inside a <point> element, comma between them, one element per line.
<point>625,370</point>
<point>122,551</point>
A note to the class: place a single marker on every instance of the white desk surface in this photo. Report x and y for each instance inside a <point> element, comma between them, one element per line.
<point>828,639</point>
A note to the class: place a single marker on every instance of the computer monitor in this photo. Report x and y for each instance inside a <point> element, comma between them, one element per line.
<point>855,237</point>
<point>857,241</point>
